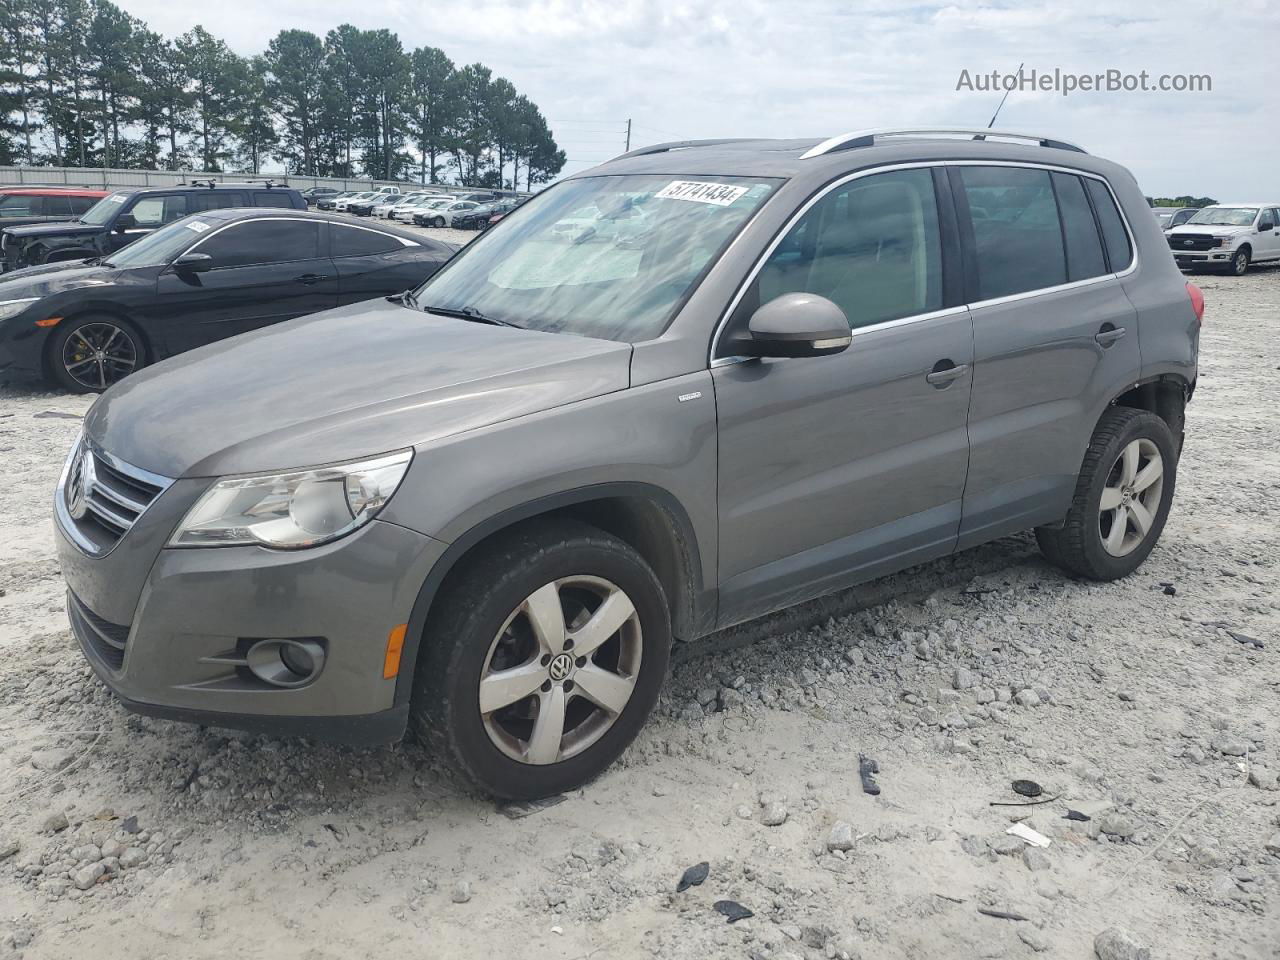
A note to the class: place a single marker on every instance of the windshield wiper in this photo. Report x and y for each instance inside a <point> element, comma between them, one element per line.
<point>408,298</point>
<point>470,313</point>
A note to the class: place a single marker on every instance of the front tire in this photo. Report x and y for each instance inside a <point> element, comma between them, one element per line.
<point>1240,262</point>
<point>89,353</point>
<point>1122,498</point>
<point>438,222</point>
<point>543,661</point>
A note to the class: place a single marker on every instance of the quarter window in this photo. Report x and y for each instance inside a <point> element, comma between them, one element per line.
<point>264,241</point>
<point>871,246</point>
<point>353,242</point>
<point>1119,252</point>
<point>1084,246</point>
<point>1017,234</point>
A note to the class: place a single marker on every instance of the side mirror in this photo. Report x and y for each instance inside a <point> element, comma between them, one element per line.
<point>126,221</point>
<point>193,263</point>
<point>1266,225</point>
<point>797,325</point>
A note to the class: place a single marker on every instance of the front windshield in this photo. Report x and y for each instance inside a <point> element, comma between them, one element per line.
<point>104,209</point>
<point>159,247</point>
<point>1225,216</point>
<point>608,257</point>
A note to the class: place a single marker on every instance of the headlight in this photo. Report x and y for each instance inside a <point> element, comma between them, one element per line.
<point>301,508</point>
<point>11,308</point>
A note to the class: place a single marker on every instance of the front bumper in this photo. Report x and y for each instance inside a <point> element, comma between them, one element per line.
<point>166,629</point>
<point>22,349</point>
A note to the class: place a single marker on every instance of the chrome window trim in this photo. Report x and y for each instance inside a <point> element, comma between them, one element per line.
<point>239,223</point>
<point>382,233</point>
<point>715,361</point>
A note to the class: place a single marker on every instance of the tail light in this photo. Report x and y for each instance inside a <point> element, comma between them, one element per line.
<point>1197,301</point>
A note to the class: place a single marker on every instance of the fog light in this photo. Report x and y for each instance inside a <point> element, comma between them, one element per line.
<point>286,663</point>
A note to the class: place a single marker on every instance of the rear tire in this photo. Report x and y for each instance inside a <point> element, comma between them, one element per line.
<point>1122,498</point>
<point>490,673</point>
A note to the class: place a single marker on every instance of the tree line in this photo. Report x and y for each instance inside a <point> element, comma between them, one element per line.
<point>83,83</point>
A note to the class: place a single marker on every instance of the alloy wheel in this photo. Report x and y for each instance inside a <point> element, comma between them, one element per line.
<point>561,670</point>
<point>98,354</point>
<point>1131,497</point>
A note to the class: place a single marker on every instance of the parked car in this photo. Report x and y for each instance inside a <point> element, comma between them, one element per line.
<point>483,197</point>
<point>342,204</point>
<point>486,509</point>
<point>313,195</point>
<point>478,219</point>
<point>1228,236</point>
<point>22,205</point>
<point>495,217</point>
<point>328,203</point>
<point>442,214</point>
<point>125,215</point>
<point>203,278</point>
<point>364,207</point>
<point>406,209</point>
<point>1170,217</point>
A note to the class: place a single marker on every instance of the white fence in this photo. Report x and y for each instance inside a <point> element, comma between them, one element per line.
<point>109,177</point>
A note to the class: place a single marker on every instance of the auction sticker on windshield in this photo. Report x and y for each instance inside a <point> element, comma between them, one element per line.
<point>721,194</point>
<point>199,226</point>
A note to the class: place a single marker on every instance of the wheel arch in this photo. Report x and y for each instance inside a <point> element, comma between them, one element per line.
<point>104,309</point>
<point>645,516</point>
<point>1165,395</point>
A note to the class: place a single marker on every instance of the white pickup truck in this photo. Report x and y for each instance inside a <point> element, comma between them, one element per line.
<point>1227,237</point>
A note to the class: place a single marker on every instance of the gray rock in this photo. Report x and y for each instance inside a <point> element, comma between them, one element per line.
<point>1231,746</point>
<point>1116,944</point>
<point>1273,844</point>
<point>133,857</point>
<point>1033,938</point>
<point>975,846</point>
<point>985,695</point>
<point>707,696</point>
<point>51,760</point>
<point>963,679</point>
<point>88,853</point>
<point>54,822</point>
<point>8,847</point>
<point>461,892</point>
<point>841,836</point>
<point>1027,698</point>
<point>1036,859</point>
<point>112,848</point>
<point>1117,825</point>
<point>773,814</point>
<point>1007,846</point>
<point>729,697</point>
<point>86,877</point>
<point>1263,779</point>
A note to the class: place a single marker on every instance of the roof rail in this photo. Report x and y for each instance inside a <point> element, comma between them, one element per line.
<point>678,145</point>
<point>867,138</point>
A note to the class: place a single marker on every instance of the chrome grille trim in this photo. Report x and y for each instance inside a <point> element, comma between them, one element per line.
<point>100,497</point>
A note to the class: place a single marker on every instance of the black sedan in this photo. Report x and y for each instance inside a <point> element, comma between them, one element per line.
<point>478,219</point>
<point>206,277</point>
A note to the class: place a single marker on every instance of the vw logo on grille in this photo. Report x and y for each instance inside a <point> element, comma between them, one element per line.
<point>560,667</point>
<point>78,486</point>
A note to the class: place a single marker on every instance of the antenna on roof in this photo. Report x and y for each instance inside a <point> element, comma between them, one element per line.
<point>1004,98</point>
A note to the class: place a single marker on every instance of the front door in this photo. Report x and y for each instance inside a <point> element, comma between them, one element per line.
<point>838,469</point>
<point>149,212</point>
<point>261,272</point>
<point>1054,337</point>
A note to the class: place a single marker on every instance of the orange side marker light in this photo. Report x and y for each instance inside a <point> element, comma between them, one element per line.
<point>395,644</point>
<point>49,322</point>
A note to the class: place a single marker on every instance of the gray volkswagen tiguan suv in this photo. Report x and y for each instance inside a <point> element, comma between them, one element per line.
<point>702,382</point>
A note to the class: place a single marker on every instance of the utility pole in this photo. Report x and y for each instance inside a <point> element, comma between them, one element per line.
<point>628,149</point>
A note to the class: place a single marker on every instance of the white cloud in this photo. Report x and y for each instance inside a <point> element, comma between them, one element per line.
<point>706,68</point>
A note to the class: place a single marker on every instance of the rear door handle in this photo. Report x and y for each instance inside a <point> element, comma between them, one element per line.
<point>310,278</point>
<point>945,372</point>
<point>1109,335</point>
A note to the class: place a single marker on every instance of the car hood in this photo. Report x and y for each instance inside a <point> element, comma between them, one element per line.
<point>1213,230</point>
<point>66,228</point>
<point>51,278</point>
<point>352,382</point>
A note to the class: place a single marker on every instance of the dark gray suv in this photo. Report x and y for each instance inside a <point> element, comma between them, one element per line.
<point>699,383</point>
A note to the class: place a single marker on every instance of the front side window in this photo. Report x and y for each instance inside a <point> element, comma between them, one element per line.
<point>157,211</point>
<point>871,246</point>
<point>1017,235</point>
<point>263,241</point>
<point>609,257</point>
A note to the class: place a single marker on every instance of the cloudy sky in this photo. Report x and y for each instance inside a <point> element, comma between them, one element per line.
<point>712,68</point>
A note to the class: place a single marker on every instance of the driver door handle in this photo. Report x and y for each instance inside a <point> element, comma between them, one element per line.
<point>945,372</point>
<point>1109,335</point>
<point>310,278</point>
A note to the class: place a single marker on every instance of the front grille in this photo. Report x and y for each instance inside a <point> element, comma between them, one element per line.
<point>103,497</point>
<point>1191,241</point>
<point>106,640</point>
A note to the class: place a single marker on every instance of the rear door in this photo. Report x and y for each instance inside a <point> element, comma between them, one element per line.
<point>371,263</point>
<point>1055,337</point>
<point>263,272</point>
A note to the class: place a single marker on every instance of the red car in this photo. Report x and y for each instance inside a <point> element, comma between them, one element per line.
<point>21,205</point>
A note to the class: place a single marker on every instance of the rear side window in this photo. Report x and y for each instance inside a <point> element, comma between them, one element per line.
<point>871,246</point>
<point>215,200</point>
<point>1016,230</point>
<point>21,205</point>
<point>263,241</point>
<point>1084,246</point>
<point>270,198</point>
<point>1119,250</point>
<point>354,242</point>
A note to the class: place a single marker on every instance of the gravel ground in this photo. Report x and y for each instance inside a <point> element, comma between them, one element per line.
<point>1143,705</point>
